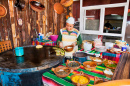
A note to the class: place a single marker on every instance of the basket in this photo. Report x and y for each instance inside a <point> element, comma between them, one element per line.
<point>98,63</point>
<point>109,67</point>
<point>36,6</point>
<point>3,11</point>
<point>81,74</point>
<point>97,80</point>
<point>69,48</point>
<point>58,8</point>
<point>91,67</point>
<point>67,3</point>
<point>107,75</point>
<point>73,68</point>
<point>106,63</point>
<point>55,70</point>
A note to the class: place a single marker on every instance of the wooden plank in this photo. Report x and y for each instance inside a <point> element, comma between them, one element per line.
<point>11,8</point>
<point>1,27</point>
<point>45,30</point>
<point>58,22</point>
<point>48,17</point>
<point>32,32</point>
<point>50,14</point>
<point>5,3</point>
<point>28,22</point>
<point>19,33</point>
<point>3,24</point>
<point>9,24</point>
<point>41,17</point>
<point>44,24</point>
<point>16,25</point>
<point>55,23</point>
<point>26,26</point>
<point>22,15</point>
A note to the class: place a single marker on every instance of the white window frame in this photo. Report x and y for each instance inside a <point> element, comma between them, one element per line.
<point>102,15</point>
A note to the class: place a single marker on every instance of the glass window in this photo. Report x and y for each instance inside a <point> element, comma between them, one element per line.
<point>101,2</point>
<point>92,19</point>
<point>113,20</point>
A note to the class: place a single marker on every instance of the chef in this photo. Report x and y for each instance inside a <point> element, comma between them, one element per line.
<point>69,36</point>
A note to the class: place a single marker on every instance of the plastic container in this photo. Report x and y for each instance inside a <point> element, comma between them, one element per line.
<point>19,51</point>
<point>87,46</point>
<point>109,45</point>
<point>54,37</point>
<point>124,48</point>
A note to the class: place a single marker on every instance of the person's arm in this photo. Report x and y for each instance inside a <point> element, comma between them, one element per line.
<point>79,40</point>
<point>59,38</point>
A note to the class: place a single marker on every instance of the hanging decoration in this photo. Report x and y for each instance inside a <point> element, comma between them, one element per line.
<point>3,11</point>
<point>37,6</point>
<point>58,7</point>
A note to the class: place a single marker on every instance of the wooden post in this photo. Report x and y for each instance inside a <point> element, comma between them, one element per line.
<point>11,8</point>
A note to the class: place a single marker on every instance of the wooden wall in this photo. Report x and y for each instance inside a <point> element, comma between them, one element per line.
<point>20,35</point>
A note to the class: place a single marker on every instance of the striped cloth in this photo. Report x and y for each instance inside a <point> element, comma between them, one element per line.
<point>50,79</point>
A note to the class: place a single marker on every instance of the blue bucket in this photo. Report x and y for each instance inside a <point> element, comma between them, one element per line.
<point>18,51</point>
<point>80,56</point>
<point>19,59</point>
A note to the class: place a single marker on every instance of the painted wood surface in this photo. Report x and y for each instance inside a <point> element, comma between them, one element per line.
<point>32,22</point>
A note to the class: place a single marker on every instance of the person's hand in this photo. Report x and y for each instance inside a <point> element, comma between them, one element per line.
<point>60,44</point>
<point>74,44</point>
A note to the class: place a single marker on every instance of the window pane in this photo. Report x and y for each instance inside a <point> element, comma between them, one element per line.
<point>113,20</point>
<point>92,19</point>
<point>101,2</point>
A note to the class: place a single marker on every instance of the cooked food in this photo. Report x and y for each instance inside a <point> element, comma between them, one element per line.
<point>59,51</point>
<point>111,65</point>
<point>73,64</point>
<point>110,62</point>
<point>108,71</point>
<point>62,72</point>
<point>80,79</point>
<point>90,64</point>
<point>69,47</point>
<point>97,60</point>
<point>55,48</point>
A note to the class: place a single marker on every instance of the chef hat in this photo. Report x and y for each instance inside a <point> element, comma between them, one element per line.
<point>70,20</point>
